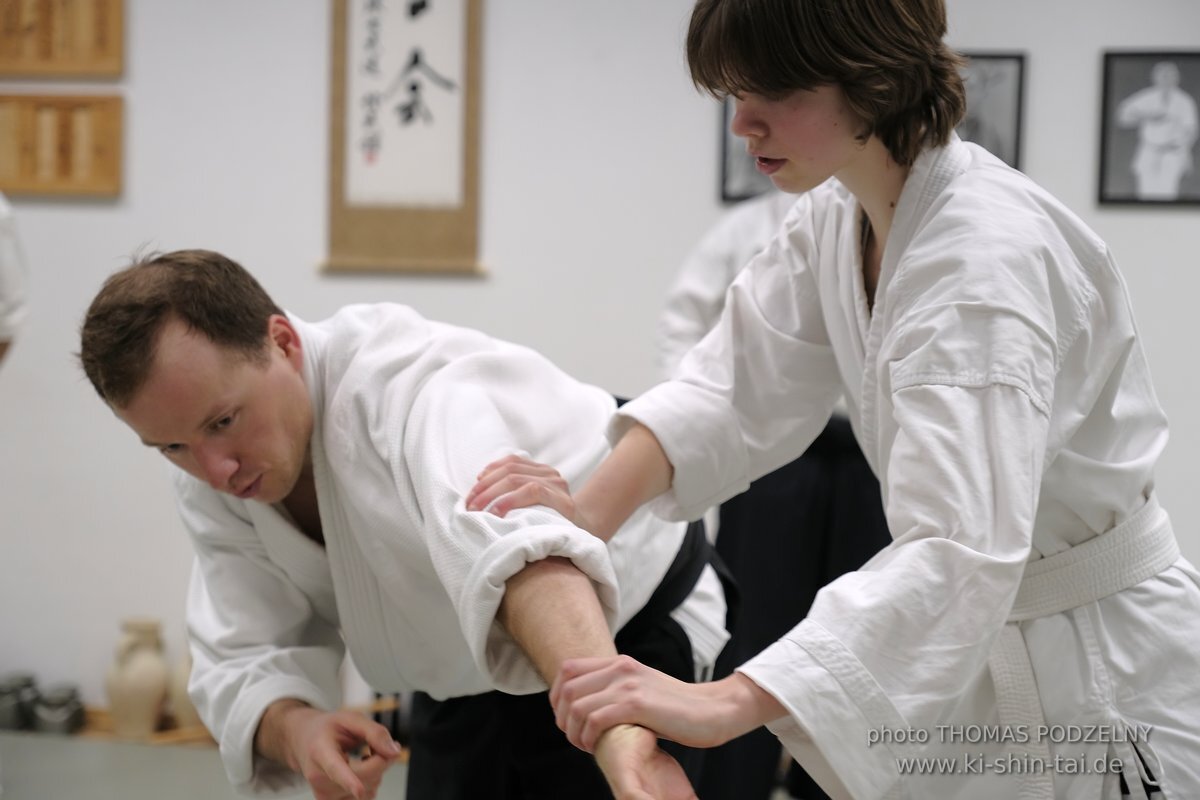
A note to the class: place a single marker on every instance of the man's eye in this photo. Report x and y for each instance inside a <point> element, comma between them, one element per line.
<point>223,422</point>
<point>169,449</point>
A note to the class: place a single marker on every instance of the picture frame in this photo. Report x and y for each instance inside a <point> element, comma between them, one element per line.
<point>740,178</point>
<point>995,86</point>
<point>1150,128</point>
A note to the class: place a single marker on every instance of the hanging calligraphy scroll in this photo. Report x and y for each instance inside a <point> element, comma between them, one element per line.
<point>404,139</point>
<point>61,39</point>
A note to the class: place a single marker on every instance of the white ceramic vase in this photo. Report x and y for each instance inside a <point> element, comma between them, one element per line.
<point>137,679</point>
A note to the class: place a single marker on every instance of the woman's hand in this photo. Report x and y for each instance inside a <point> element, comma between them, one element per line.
<point>636,471</point>
<point>591,695</point>
<point>518,482</point>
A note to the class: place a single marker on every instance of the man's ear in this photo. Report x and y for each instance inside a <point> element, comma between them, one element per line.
<point>282,336</point>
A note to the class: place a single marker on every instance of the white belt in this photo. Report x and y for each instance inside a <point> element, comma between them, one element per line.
<point>1139,548</point>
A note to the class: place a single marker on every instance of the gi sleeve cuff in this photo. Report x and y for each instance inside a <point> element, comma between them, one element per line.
<point>496,653</point>
<point>705,446</point>
<point>833,704</point>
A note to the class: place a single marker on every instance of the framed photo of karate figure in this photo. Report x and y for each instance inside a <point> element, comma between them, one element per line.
<point>740,178</point>
<point>1149,128</point>
<point>995,85</point>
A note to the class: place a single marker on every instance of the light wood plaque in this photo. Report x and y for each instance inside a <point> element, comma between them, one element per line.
<point>60,144</point>
<point>61,38</point>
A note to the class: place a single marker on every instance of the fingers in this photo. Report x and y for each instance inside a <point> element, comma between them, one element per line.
<point>329,769</point>
<point>605,692</point>
<point>483,494</point>
<point>354,729</point>
<point>509,473</point>
<point>512,493</point>
<point>514,458</point>
<point>370,772</point>
<point>598,713</point>
<point>334,767</point>
<point>573,668</point>
<point>381,742</point>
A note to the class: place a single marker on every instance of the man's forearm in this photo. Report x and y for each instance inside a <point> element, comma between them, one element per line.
<point>552,611</point>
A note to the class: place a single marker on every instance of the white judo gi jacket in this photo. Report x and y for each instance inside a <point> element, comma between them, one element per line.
<point>12,275</point>
<point>1000,393</point>
<point>695,299</point>
<point>407,412</point>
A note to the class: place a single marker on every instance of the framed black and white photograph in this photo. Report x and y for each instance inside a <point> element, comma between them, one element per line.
<point>995,85</point>
<point>1149,128</point>
<point>740,178</point>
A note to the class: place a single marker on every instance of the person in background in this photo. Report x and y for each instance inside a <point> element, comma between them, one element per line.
<point>1033,607</point>
<point>12,284</point>
<point>12,278</point>
<point>321,470</point>
<point>795,529</point>
<point>1168,127</point>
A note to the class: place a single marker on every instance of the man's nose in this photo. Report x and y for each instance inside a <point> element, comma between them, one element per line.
<point>217,465</point>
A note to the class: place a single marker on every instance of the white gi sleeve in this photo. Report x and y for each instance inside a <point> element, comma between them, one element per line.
<point>12,275</point>
<point>695,300</point>
<point>254,638</point>
<point>891,646</point>
<point>474,411</point>
<point>757,389</point>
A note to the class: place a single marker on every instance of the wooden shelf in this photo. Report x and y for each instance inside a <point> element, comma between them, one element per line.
<point>98,725</point>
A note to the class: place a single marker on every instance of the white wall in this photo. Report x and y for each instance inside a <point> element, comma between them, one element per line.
<point>599,171</point>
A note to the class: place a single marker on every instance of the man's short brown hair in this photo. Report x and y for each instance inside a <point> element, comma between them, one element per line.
<point>208,292</point>
<point>887,56</point>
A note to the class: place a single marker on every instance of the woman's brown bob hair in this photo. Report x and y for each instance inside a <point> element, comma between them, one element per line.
<point>887,56</point>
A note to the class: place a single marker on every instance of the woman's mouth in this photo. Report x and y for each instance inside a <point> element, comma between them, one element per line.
<point>769,166</point>
<point>252,489</point>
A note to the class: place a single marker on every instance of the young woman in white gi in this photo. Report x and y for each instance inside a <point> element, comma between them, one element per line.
<point>1032,625</point>
<point>12,278</point>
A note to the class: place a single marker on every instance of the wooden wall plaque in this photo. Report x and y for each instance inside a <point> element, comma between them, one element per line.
<point>60,144</point>
<point>61,38</point>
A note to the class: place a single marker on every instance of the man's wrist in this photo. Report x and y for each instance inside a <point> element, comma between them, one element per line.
<point>613,737</point>
<point>272,740</point>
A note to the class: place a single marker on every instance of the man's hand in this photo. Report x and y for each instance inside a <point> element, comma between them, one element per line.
<point>636,769</point>
<point>320,745</point>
